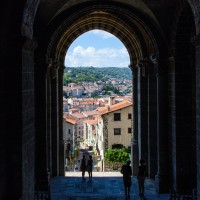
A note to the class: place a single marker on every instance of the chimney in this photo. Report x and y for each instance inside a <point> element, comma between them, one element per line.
<point>111,101</point>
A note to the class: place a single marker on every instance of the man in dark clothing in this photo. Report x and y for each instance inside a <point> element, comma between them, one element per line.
<point>127,173</point>
<point>141,176</point>
<point>83,167</point>
<point>89,167</point>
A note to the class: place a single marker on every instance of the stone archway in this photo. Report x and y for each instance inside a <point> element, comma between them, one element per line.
<point>24,22</point>
<point>143,42</point>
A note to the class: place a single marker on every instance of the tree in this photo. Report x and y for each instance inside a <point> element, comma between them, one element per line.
<point>95,94</point>
<point>116,157</point>
<point>110,87</point>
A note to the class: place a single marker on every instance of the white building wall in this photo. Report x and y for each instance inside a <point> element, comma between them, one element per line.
<point>124,124</point>
<point>66,127</point>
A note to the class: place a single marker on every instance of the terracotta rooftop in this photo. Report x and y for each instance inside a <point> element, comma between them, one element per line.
<point>78,115</point>
<point>90,113</point>
<point>112,108</point>
<point>69,119</point>
<point>92,122</point>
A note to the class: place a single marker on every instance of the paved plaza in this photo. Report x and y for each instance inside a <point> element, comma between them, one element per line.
<point>105,186</point>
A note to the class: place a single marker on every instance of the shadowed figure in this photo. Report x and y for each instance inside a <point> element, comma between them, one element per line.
<point>127,173</point>
<point>89,167</point>
<point>141,176</point>
<point>83,167</point>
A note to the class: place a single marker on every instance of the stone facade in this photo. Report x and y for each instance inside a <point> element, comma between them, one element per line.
<point>166,100</point>
<point>123,125</point>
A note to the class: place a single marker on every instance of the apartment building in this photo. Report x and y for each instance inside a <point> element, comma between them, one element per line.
<point>69,132</point>
<point>117,131</point>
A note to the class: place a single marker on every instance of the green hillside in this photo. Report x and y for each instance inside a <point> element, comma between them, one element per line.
<point>93,74</point>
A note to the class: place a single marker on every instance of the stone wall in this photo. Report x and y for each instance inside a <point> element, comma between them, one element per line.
<point>28,106</point>
<point>198,112</point>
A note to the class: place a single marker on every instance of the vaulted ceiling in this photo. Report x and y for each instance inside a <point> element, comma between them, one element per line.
<point>160,12</point>
<point>142,25</point>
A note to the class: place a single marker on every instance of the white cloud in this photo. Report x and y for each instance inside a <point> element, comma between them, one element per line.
<point>102,33</point>
<point>90,56</point>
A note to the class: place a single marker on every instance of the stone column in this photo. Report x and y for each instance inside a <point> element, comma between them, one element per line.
<point>152,120</point>
<point>143,110</point>
<point>197,48</point>
<point>134,142</point>
<point>60,116</point>
<point>48,119</point>
<point>162,140</point>
<point>28,120</point>
<point>40,119</point>
<point>55,119</point>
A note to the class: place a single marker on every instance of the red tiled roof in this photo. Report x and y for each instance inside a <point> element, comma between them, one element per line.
<point>91,121</point>
<point>90,113</point>
<point>112,108</point>
<point>78,115</point>
<point>70,119</point>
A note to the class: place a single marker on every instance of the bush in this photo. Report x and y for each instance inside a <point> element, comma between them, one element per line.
<point>114,158</point>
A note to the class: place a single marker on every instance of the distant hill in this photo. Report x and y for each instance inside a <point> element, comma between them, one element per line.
<point>93,74</point>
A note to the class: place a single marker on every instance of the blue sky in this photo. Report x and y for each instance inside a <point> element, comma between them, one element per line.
<point>98,49</point>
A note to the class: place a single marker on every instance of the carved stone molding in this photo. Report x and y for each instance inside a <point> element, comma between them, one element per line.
<point>53,67</point>
<point>144,65</point>
<point>28,17</point>
<point>133,68</point>
<point>155,64</point>
<point>160,66</point>
<point>61,69</point>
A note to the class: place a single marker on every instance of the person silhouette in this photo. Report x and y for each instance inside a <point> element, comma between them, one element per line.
<point>141,176</point>
<point>89,167</point>
<point>83,167</point>
<point>127,173</point>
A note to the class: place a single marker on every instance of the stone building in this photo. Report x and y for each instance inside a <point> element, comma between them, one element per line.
<point>69,132</point>
<point>163,42</point>
<point>90,132</point>
<point>117,127</point>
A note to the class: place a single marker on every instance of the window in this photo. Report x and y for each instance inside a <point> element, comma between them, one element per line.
<point>117,146</point>
<point>117,131</point>
<point>117,116</point>
<point>129,130</point>
<point>129,116</point>
<point>69,131</point>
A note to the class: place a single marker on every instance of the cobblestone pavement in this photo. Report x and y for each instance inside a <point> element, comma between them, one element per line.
<point>105,186</point>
